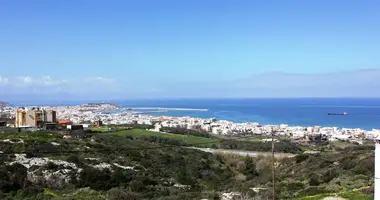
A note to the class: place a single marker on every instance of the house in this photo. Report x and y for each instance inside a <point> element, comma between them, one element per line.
<point>34,117</point>
<point>98,123</point>
<point>64,122</point>
<point>77,131</point>
<point>86,125</point>
<point>50,126</point>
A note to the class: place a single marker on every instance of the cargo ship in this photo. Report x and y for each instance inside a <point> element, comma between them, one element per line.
<point>344,113</point>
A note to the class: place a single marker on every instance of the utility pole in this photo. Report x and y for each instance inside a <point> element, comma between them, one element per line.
<point>377,169</point>
<point>273,170</point>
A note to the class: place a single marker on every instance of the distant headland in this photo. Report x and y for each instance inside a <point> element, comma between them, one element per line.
<point>3,104</point>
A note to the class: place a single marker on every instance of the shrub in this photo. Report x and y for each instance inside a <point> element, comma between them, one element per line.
<point>314,179</point>
<point>95,179</point>
<point>329,175</point>
<point>301,157</point>
<point>74,159</point>
<point>313,190</point>
<point>51,166</point>
<point>122,194</point>
<point>368,191</point>
<point>136,186</point>
<point>18,175</point>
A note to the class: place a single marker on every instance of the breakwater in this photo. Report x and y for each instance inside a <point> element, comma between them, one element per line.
<point>167,109</point>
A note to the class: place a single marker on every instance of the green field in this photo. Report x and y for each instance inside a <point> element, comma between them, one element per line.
<point>40,136</point>
<point>101,129</point>
<point>105,129</point>
<point>349,195</point>
<point>345,195</point>
<point>189,139</point>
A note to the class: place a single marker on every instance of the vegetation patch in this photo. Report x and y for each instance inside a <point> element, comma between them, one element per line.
<point>139,164</point>
<point>187,139</point>
<point>40,136</point>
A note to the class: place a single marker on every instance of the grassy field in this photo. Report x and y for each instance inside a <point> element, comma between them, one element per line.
<point>350,195</point>
<point>108,129</point>
<point>101,129</point>
<point>41,136</point>
<point>189,139</point>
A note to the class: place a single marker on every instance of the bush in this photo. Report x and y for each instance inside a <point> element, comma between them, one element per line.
<point>185,131</point>
<point>74,159</point>
<point>301,157</point>
<point>122,194</point>
<point>368,191</point>
<point>95,179</point>
<point>136,186</point>
<point>295,186</point>
<point>18,175</point>
<point>329,175</point>
<point>29,193</point>
<point>51,166</point>
<point>282,146</point>
<point>313,190</point>
<point>314,179</point>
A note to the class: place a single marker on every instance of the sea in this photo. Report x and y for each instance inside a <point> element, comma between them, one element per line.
<point>363,113</point>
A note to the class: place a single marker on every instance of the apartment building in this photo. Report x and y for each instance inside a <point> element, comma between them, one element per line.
<point>34,117</point>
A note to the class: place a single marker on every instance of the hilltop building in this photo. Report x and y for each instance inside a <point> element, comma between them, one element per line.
<point>98,123</point>
<point>34,117</point>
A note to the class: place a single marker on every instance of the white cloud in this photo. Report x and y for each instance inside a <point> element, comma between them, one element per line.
<point>48,86</point>
<point>26,79</point>
<point>100,79</point>
<point>45,83</point>
<point>22,81</point>
<point>47,80</point>
<point>3,80</point>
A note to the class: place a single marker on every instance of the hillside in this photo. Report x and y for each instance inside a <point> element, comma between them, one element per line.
<point>130,166</point>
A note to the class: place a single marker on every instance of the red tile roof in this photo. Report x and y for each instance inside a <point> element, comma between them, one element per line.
<point>63,121</point>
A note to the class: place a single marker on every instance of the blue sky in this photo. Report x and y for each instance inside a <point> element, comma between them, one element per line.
<point>132,49</point>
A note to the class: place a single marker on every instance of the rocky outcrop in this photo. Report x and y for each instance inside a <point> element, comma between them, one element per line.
<point>36,161</point>
<point>57,173</point>
<point>45,171</point>
<point>51,178</point>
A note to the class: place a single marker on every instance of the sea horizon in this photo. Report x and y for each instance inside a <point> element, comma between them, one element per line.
<point>82,101</point>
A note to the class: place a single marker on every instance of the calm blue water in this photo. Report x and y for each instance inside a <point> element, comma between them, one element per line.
<point>362,113</point>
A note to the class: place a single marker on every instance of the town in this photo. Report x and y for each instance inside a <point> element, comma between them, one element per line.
<point>93,115</point>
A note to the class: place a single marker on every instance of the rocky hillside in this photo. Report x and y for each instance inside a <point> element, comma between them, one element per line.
<point>105,166</point>
<point>105,163</point>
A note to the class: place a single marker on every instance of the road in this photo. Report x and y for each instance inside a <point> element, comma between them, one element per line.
<point>244,153</point>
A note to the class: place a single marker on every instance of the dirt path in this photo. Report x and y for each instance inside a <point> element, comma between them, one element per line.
<point>243,153</point>
<point>333,198</point>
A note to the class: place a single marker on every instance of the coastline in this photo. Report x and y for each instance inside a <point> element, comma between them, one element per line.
<point>231,116</point>
<point>248,121</point>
